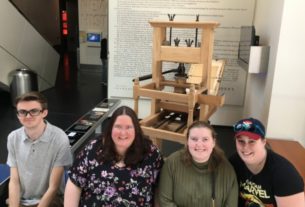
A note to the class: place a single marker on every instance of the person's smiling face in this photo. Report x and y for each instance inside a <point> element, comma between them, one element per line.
<point>200,144</point>
<point>123,134</point>
<point>250,151</point>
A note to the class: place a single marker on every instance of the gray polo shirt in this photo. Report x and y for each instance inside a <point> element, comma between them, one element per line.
<point>35,159</point>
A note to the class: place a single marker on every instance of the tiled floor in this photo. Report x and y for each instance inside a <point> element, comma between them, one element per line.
<point>75,93</point>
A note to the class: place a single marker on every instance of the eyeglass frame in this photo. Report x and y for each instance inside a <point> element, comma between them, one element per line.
<point>32,112</point>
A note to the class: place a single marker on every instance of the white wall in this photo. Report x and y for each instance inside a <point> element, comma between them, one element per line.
<point>287,107</point>
<point>22,46</point>
<point>278,97</point>
<point>267,23</point>
<point>93,17</point>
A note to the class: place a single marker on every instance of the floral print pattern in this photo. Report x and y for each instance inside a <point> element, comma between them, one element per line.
<point>105,184</point>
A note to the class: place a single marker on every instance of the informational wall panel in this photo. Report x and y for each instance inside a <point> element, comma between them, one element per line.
<point>130,39</point>
<point>92,15</point>
<point>93,19</point>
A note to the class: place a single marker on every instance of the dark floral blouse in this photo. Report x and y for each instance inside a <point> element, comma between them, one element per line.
<point>105,184</point>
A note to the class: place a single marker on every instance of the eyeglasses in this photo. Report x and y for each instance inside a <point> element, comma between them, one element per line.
<point>248,125</point>
<point>32,112</point>
<point>121,128</point>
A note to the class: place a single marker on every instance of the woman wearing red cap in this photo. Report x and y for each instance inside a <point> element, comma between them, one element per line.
<point>265,178</point>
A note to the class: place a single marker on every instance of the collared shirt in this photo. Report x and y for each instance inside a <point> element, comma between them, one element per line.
<point>36,159</point>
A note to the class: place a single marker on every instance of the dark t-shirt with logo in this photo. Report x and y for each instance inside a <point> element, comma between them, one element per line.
<point>278,178</point>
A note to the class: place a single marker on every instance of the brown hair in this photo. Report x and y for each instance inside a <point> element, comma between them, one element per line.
<point>217,155</point>
<point>33,96</point>
<point>138,149</point>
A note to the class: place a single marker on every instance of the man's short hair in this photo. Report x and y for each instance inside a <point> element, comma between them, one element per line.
<point>33,96</point>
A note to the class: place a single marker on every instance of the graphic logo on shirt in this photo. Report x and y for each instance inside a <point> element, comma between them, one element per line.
<point>253,193</point>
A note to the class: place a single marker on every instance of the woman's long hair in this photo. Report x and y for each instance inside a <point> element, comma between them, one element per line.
<point>217,156</point>
<point>138,149</point>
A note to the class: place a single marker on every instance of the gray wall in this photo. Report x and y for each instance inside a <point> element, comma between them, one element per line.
<point>44,16</point>
<point>22,46</point>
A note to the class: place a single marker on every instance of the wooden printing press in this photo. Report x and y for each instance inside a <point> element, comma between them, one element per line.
<point>194,96</point>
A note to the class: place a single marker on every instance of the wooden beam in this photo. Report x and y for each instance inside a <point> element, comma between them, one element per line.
<point>180,54</point>
<point>164,135</point>
<point>211,100</point>
<point>181,98</point>
<point>184,24</point>
<point>174,106</point>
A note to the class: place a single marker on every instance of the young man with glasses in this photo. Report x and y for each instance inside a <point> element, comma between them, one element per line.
<point>38,152</point>
<point>265,178</point>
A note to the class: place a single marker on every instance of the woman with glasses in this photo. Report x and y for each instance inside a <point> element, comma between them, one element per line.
<point>38,152</point>
<point>265,178</point>
<point>119,169</point>
<point>198,175</point>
